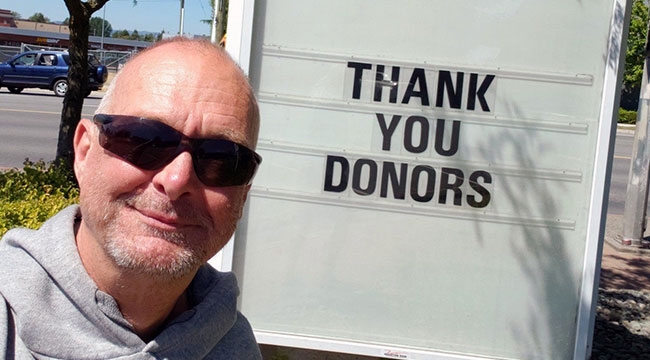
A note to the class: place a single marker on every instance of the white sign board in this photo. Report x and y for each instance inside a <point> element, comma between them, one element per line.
<point>433,173</point>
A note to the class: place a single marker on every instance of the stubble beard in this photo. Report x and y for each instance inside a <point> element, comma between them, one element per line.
<point>124,253</point>
<point>122,246</point>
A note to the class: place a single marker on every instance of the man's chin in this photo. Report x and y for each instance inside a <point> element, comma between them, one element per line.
<point>155,256</point>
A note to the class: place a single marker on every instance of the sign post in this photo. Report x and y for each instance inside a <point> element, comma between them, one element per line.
<point>636,200</point>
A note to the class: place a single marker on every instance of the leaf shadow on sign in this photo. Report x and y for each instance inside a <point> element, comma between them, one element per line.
<point>618,28</point>
<point>547,330</point>
<point>548,258</point>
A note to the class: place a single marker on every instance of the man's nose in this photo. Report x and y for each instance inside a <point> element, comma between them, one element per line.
<point>178,177</point>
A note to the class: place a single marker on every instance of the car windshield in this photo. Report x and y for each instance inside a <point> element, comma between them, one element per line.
<point>92,60</point>
<point>27,59</point>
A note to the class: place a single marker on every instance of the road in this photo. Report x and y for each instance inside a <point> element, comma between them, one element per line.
<point>620,171</point>
<point>29,125</point>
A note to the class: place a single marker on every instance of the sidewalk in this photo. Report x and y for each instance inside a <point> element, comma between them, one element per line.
<point>623,267</point>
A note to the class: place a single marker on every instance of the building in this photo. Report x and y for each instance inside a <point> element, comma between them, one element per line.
<point>6,19</point>
<point>16,32</point>
<point>39,26</point>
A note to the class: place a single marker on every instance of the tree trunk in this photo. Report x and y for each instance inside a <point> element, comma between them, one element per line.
<point>80,13</point>
<point>221,18</point>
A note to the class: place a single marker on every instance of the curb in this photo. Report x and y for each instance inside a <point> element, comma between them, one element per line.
<point>628,127</point>
<point>616,244</point>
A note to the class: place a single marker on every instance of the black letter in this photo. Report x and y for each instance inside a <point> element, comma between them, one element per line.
<point>473,94</point>
<point>387,132</point>
<point>415,182</point>
<point>455,187</point>
<point>358,73</point>
<point>423,94</point>
<point>424,134</point>
<point>455,96</point>
<point>381,81</point>
<point>372,177</point>
<point>473,183</point>
<point>388,172</point>
<point>440,132</point>
<point>329,173</point>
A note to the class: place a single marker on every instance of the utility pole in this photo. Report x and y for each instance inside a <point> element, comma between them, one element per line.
<point>217,22</point>
<point>101,47</point>
<point>182,17</point>
<point>213,28</point>
<point>636,200</point>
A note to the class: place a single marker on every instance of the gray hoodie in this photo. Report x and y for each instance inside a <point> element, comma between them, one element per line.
<point>52,309</point>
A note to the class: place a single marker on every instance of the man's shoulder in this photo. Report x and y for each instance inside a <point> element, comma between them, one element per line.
<point>210,282</point>
<point>238,343</point>
<point>21,248</point>
<point>11,345</point>
<point>61,222</point>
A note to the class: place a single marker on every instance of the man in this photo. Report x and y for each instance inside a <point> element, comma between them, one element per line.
<point>164,168</point>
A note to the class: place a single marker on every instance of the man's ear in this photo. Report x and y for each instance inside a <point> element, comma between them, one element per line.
<point>82,142</point>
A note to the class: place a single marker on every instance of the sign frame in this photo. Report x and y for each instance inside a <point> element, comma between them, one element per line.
<point>239,45</point>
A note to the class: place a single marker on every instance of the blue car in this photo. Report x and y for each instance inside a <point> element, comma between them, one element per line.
<point>47,70</point>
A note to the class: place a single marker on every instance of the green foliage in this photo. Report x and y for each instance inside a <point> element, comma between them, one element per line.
<point>121,34</point>
<point>135,35</point>
<point>635,55</point>
<point>30,196</point>
<point>39,17</point>
<point>626,116</point>
<point>96,24</point>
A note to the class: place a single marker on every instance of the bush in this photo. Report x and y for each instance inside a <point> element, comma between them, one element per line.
<point>626,116</point>
<point>30,196</point>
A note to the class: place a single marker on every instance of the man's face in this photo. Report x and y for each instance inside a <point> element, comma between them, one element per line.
<point>165,222</point>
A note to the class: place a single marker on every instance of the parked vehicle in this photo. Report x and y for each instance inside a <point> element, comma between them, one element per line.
<point>47,70</point>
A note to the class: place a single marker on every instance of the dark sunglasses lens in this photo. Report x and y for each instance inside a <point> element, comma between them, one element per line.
<point>150,145</point>
<point>146,144</point>
<point>224,163</point>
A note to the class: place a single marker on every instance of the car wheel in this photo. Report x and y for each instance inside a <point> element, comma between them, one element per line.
<point>15,90</point>
<point>60,87</point>
<point>101,74</point>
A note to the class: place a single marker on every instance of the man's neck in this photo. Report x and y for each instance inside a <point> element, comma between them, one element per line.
<point>148,305</point>
<point>147,302</point>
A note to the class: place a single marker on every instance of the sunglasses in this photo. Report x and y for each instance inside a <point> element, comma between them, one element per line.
<point>150,145</point>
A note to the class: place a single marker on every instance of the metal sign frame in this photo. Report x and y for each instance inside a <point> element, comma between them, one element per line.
<point>239,45</point>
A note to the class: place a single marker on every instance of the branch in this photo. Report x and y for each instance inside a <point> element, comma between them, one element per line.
<point>87,7</point>
<point>94,5</point>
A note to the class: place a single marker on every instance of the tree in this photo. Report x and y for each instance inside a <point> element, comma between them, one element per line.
<point>222,18</point>
<point>16,15</point>
<point>134,35</point>
<point>121,34</point>
<point>80,12</point>
<point>39,17</point>
<point>96,24</point>
<point>635,55</point>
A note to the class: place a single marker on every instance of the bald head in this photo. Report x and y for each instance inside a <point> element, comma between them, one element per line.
<point>181,70</point>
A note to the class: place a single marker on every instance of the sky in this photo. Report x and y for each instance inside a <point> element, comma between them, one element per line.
<point>147,15</point>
